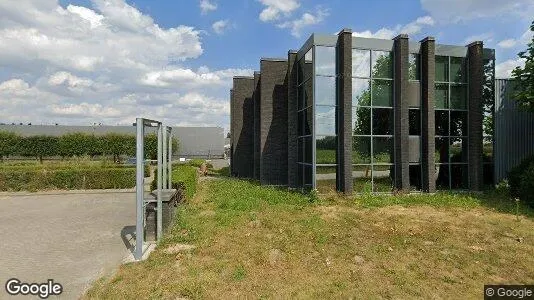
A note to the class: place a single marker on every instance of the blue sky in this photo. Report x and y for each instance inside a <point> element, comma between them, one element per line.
<point>108,61</point>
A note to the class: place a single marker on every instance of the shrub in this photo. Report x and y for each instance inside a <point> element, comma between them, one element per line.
<point>8,143</point>
<point>181,174</point>
<point>77,144</point>
<point>526,186</point>
<point>33,179</point>
<point>195,162</point>
<point>516,173</point>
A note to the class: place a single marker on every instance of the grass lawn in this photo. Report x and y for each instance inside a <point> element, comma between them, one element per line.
<point>235,239</point>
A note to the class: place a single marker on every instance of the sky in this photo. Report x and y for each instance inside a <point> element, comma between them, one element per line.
<point>109,61</point>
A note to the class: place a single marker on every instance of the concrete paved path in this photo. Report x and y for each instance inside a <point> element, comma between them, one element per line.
<point>73,238</point>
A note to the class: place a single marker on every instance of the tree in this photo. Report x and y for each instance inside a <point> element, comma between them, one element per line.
<point>40,146</point>
<point>524,76</point>
<point>8,143</point>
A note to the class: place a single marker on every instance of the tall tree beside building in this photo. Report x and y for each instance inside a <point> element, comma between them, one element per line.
<point>524,77</point>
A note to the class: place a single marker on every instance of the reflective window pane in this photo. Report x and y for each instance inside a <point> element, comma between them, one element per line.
<point>300,97</point>
<point>361,150</point>
<point>300,150</point>
<point>308,93</point>
<point>414,66</point>
<point>308,146</point>
<point>442,68</point>
<point>458,123</point>
<point>458,97</point>
<point>382,64</point>
<point>382,150</point>
<point>415,177</point>
<point>382,93</point>
<point>442,177</point>
<point>325,90</point>
<point>383,121</point>
<point>361,121</point>
<point>459,176</point>
<point>326,179</point>
<point>300,175</point>
<point>458,66</point>
<point>325,60</point>
<point>361,63</point>
<point>458,150</point>
<point>305,67</point>
<point>414,94</point>
<point>308,175</point>
<point>414,146</point>
<point>361,92</point>
<point>442,95</point>
<point>414,121</point>
<point>325,118</point>
<point>326,149</point>
<point>383,178</point>
<point>442,122</point>
<point>362,178</point>
<point>300,123</point>
<point>308,121</point>
<point>442,150</point>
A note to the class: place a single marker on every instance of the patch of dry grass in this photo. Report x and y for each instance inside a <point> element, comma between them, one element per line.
<point>256,242</point>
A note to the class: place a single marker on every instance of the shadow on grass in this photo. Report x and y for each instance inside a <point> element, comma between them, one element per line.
<point>501,201</point>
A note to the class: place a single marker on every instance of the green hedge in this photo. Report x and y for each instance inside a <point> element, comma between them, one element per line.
<point>71,178</point>
<point>181,174</point>
<point>76,144</point>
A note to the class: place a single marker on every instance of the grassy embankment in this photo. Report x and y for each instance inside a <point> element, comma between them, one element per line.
<point>237,239</point>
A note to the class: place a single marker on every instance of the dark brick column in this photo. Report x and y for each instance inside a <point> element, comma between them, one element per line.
<point>232,133</point>
<point>402,164</point>
<point>273,122</point>
<point>257,116</point>
<point>428,72</point>
<point>344,113</point>
<point>476,81</point>
<point>243,115</point>
<point>292,155</point>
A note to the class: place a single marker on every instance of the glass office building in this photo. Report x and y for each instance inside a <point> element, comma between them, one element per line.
<point>370,115</point>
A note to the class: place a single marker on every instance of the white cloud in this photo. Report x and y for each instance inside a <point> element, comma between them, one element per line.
<point>206,6</point>
<point>521,41</point>
<point>84,109</point>
<point>190,78</point>
<point>416,26</point>
<point>220,26</point>
<point>307,19</point>
<point>275,8</point>
<point>105,63</point>
<point>484,37</point>
<point>66,78</point>
<point>14,85</point>
<point>411,28</point>
<point>463,10</point>
<point>504,69</point>
<point>508,43</point>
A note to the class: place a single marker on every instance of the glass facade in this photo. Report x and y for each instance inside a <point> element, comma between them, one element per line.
<point>451,117</point>
<point>305,120</point>
<point>325,119</point>
<point>373,119</point>
<point>414,120</point>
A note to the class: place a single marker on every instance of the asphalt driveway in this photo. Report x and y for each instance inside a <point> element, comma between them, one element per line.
<point>72,238</point>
